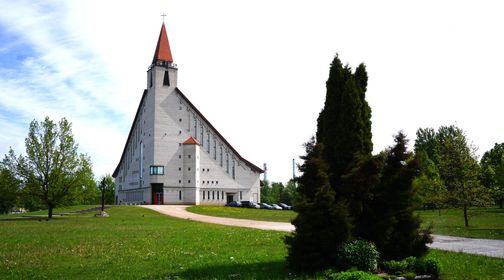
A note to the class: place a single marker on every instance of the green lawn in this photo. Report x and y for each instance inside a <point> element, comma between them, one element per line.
<point>483,222</point>
<point>245,213</point>
<point>137,243</point>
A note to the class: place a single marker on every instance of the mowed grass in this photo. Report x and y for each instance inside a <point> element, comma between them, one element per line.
<point>468,267</point>
<point>483,222</point>
<point>137,243</point>
<point>285,216</point>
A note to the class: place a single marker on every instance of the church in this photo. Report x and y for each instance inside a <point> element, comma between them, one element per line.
<point>173,154</point>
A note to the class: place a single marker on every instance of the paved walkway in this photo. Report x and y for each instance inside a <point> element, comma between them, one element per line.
<point>487,247</point>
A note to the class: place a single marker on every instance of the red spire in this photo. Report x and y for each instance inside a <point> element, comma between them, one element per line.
<point>163,51</point>
<point>191,141</point>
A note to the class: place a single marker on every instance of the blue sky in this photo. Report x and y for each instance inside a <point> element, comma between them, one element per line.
<point>255,69</point>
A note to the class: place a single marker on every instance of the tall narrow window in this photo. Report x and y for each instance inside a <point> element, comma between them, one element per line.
<point>221,155</point>
<point>150,78</point>
<point>241,195</point>
<point>195,127</point>
<point>227,162</point>
<point>208,140</point>
<point>218,195</point>
<point>213,195</point>
<point>203,195</point>
<point>233,169</point>
<point>166,79</point>
<point>140,171</point>
<point>180,195</point>
<point>214,149</point>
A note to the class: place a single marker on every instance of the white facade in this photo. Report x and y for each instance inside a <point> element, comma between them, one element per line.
<point>156,167</point>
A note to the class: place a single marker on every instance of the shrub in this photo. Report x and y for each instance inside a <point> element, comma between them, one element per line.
<point>428,266</point>
<point>352,275</point>
<point>395,267</point>
<point>360,254</point>
<point>409,275</point>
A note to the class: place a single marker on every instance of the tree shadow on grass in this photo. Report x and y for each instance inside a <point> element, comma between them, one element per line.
<point>266,270</point>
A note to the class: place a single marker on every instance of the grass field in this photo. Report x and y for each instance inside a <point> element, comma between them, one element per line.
<point>137,243</point>
<point>483,222</point>
<point>245,213</point>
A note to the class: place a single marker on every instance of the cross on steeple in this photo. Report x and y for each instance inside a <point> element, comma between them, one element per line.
<point>163,15</point>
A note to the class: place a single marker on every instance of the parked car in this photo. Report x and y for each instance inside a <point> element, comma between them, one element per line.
<point>249,204</point>
<point>263,205</point>
<point>234,204</point>
<point>276,207</point>
<point>285,206</point>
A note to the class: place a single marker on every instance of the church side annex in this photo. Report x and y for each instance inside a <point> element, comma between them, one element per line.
<point>173,154</point>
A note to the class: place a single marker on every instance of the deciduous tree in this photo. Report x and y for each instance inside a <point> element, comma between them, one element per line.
<point>52,170</point>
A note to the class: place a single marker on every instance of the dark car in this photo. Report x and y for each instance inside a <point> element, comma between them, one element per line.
<point>263,205</point>
<point>285,206</point>
<point>249,204</point>
<point>234,204</point>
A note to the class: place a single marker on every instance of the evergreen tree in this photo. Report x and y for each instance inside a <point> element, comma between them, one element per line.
<point>9,190</point>
<point>322,223</point>
<point>344,124</point>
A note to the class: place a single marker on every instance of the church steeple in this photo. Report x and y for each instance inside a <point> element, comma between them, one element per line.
<point>163,51</point>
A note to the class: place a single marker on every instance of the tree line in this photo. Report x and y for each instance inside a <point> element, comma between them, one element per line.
<point>52,173</point>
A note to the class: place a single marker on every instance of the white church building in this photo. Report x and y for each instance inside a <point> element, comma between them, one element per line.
<point>173,154</point>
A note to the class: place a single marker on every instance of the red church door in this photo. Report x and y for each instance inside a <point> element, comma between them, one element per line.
<point>158,198</point>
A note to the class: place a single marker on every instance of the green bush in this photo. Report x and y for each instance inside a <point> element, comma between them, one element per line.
<point>409,275</point>
<point>395,267</point>
<point>360,254</point>
<point>428,266</point>
<point>351,275</point>
<point>410,265</point>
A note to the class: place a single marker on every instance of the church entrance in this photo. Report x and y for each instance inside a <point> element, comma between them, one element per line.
<point>157,194</point>
<point>229,198</point>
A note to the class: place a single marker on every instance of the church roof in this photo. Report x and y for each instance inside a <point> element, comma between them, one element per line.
<point>163,51</point>
<point>191,141</point>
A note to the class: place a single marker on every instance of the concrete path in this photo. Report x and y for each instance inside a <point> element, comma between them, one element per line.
<point>487,247</point>
<point>180,211</point>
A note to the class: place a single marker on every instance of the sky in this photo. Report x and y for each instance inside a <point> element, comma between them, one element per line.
<point>255,69</point>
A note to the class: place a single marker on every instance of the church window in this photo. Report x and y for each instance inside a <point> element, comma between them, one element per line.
<point>188,181</point>
<point>180,169</point>
<point>180,195</point>
<point>222,195</point>
<point>189,169</point>
<point>141,161</point>
<point>227,162</point>
<point>157,170</point>
<point>213,195</point>
<point>166,79</point>
<point>221,155</point>
<point>180,181</point>
<point>201,135</point>
<point>208,141</point>
<point>218,196</point>
<point>216,182</point>
<point>150,78</point>
<point>241,195</point>
<point>203,195</point>
<point>189,156</point>
<point>215,149</point>
<point>179,156</point>
<point>195,127</point>
<point>180,120</point>
<point>233,168</point>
